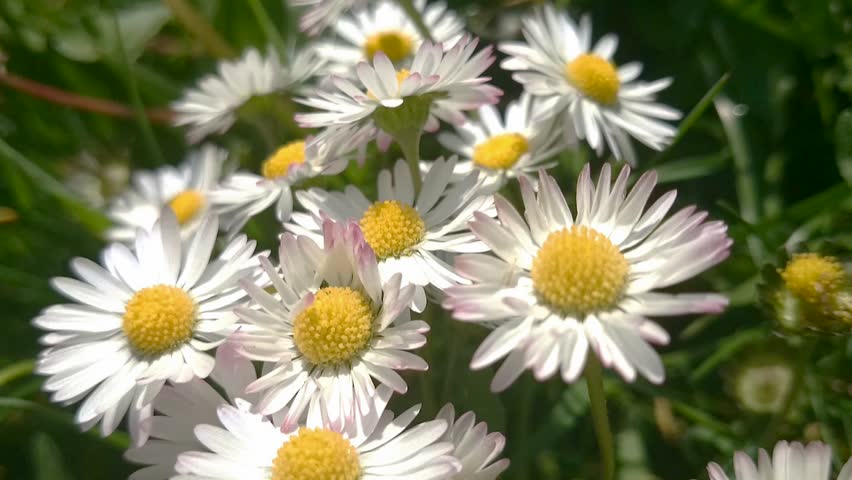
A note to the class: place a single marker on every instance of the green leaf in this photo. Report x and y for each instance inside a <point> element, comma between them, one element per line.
<point>47,459</point>
<point>138,24</point>
<point>843,141</point>
<point>690,168</point>
<point>77,44</point>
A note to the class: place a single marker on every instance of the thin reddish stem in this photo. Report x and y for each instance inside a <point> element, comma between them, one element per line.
<point>79,102</point>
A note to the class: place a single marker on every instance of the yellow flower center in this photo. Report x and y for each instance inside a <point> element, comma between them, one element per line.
<point>279,163</point>
<point>501,152</point>
<point>316,454</point>
<point>395,44</point>
<point>159,319</point>
<point>335,327</point>
<point>186,205</point>
<point>579,271</point>
<point>594,77</point>
<point>813,278</point>
<point>392,228</point>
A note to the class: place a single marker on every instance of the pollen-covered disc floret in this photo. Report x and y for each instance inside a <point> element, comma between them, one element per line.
<point>813,278</point>
<point>397,45</point>
<point>159,319</point>
<point>391,228</point>
<point>594,77</point>
<point>335,327</point>
<point>578,270</point>
<point>316,454</point>
<point>501,151</point>
<point>279,163</point>
<point>186,205</point>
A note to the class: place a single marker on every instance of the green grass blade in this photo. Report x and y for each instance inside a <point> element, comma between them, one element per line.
<point>269,29</point>
<point>694,114</point>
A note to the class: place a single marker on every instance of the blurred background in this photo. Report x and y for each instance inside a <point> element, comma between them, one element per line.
<point>84,93</point>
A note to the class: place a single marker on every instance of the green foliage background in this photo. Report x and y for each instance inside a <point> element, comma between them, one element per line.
<point>778,168</point>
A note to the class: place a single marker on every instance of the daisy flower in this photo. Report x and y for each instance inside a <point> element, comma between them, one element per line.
<point>322,13</point>
<point>183,189</point>
<point>144,317</point>
<point>560,283</point>
<point>601,102</point>
<point>473,446</point>
<point>246,446</point>
<point>329,329</point>
<point>409,234</point>
<point>184,406</point>
<point>500,149</point>
<point>385,27</point>
<point>440,84</point>
<point>211,106</point>
<point>789,461</point>
<point>243,195</point>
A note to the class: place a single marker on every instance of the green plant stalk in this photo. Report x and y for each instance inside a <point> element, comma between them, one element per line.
<point>746,181</point>
<point>415,17</point>
<point>15,371</point>
<point>409,142</point>
<point>694,114</point>
<point>268,26</point>
<point>597,402</point>
<point>135,98</point>
<point>196,24</point>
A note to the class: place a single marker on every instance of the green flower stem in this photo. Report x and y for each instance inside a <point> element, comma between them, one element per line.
<point>597,399</point>
<point>409,142</point>
<point>133,89</point>
<point>415,17</point>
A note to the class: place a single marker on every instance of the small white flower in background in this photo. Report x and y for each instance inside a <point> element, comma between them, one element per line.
<point>409,234</point>
<point>329,329</point>
<point>600,102</point>
<point>183,189</point>
<point>560,284</point>
<point>789,461</point>
<point>444,83</point>
<point>322,13</point>
<point>211,106</point>
<point>144,317</point>
<point>385,27</point>
<point>248,446</point>
<point>500,149</point>
<point>243,195</point>
<point>475,448</point>
<point>184,406</point>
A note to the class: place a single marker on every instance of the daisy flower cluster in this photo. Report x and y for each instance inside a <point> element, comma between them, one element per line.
<point>231,362</point>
